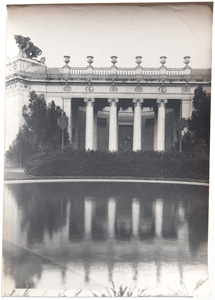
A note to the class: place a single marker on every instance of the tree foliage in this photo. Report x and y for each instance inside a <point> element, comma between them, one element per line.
<point>39,132</point>
<point>198,136</point>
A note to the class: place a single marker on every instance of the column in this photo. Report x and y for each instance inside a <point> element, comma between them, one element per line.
<point>158,217</point>
<point>185,108</point>
<point>135,208</point>
<point>161,125</point>
<point>111,217</point>
<point>89,123</point>
<point>137,124</point>
<point>113,125</point>
<point>95,113</point>
<point>155,130</point>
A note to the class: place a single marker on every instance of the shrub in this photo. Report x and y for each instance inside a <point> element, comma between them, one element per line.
<point>145,164</point>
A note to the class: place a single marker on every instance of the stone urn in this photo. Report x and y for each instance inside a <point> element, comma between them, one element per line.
<point>114,60</point>
<point>163,60</point>
<point>66,59</point>
<point>90,59</point>
<point>187,60</point>
<point>138,60</point>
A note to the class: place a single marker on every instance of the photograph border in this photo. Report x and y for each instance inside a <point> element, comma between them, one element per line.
<point>211,243</point>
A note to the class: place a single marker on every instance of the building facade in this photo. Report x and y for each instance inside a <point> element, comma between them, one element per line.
<point>108,108</point>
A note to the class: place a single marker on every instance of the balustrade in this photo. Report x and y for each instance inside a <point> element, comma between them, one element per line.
<point>38,69</point>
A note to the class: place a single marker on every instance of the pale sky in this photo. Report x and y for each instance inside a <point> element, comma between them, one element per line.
<point>122,30</point>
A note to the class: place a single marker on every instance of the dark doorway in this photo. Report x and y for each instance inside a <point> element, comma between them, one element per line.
<point>125,137</point>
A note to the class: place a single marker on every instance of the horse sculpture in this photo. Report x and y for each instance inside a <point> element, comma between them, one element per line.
<point>27,48</point>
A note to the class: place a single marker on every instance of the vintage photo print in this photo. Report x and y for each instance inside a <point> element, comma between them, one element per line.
<point>106,150</point>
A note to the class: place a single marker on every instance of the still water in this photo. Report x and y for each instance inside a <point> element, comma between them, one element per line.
<point>88,236</point>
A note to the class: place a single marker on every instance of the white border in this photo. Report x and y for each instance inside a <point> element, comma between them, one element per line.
<point>3,4</point>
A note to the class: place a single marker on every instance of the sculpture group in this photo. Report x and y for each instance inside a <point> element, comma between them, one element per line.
<point>27,48</point>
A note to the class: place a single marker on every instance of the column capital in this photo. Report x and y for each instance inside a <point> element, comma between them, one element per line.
<point>160,101</point>
<point>138,100</point>
<point>89,101</point>
<point>113,101</point>
<point>184,99</point>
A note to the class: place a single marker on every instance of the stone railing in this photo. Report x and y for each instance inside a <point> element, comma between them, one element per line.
<point>36,70</point>
<point>124,71</point>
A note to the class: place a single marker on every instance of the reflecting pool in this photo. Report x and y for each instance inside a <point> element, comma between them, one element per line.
<point>86,237</point>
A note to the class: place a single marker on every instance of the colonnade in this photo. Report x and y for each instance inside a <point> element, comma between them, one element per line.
<point>135,217</point>
<point>91,124</point>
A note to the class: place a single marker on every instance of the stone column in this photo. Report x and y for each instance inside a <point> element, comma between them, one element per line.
<point>89,123</point>
<point>95,113</point>
<point>161,125</point>
<point>137,124</point>
<point>185,108</point>
<point>113,125</point>
<point>155,130</point>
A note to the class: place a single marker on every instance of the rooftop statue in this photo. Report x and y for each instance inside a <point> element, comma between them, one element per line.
<point>27,48</point>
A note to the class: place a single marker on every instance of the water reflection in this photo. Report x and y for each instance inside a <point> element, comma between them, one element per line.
<point>95,233</point>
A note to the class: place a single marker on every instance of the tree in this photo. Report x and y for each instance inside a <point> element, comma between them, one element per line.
<point>54,131</point>
<point>36,119</point>
<point>40,130</point>
<point>21,147</point>
<point>198,135</point>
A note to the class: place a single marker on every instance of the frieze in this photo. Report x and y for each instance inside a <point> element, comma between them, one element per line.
<point>67,88</point>
<point>89,88</point>
<point>138,89</point>
<point>113,89</point>
<point>162,89</point>
<point>185,89</point>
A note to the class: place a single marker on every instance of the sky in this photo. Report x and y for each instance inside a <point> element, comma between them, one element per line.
<point>126,31</point>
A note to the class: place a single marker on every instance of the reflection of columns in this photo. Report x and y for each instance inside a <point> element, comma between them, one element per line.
<point>158,217</point>
<point>111,216</point>
<point>135,216</point>
<point>155,130</point>
<point>89,123</point>
<point>161,125</point>
<point>88,214</point>
<point>113,125</point>
<point>95,113</point>
<point>137,124</point>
